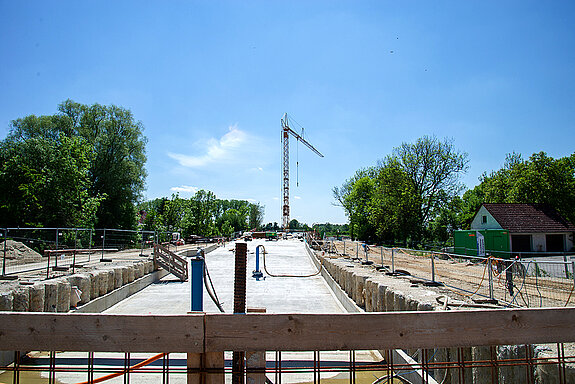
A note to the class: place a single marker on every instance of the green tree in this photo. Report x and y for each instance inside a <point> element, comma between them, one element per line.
<point>44,176</point>
<point>118,165</point>
<point>404,193</point>
<point>434,167</point>
<point>393,209</point>
<point>539,179</point>
<point>111,157</point>
<point>256,216</point>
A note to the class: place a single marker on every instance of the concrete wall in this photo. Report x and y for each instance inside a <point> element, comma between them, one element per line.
<point>100,289</point>
<point>373,291</point>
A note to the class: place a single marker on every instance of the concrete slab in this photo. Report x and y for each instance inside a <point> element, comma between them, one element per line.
<point>276,294</point>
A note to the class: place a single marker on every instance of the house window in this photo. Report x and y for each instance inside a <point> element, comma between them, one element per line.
<point>484,219</point>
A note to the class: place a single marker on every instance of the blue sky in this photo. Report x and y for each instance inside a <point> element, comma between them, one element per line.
<point>211,80</point>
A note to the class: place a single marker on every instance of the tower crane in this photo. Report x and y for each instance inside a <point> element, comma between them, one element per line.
<point>286,131</point>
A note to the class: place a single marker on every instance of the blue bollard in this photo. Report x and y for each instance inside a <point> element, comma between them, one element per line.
<point>257,273</point>
<point>197,286</point>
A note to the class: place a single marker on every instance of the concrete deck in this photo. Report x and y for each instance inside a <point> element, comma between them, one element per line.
<point>276,294</point>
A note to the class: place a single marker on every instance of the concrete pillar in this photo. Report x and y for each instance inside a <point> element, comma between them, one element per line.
<point>37,293</point>
<point>21,301</point>
<point>549,373</point>
<point>125,274</point>
<point>399,301</point>
<point>140,270</point>
<point>348,281</point>
<point>511,374</point>
<point>360,280</point>
<point>369,295</point>
<point>442,375</point>
<point>6,300</point>
<point>102,282</point>
<point>481,374</point>
<point>118,278</point>
<point>94,289</point>
<point>381,301</point>
<point>411,303</point>
<point>111,280</point>
<point>50,296</point>
<point>389,300</point>
<point>149,267</point>
<point>467,372</point>
<point>131,274</point>
<point>64,290</point>
<point>84,284</point>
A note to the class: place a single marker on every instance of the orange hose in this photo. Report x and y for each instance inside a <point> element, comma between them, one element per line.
<point>132,368</point>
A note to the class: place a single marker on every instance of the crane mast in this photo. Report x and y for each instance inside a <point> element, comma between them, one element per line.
<point>286,131</point>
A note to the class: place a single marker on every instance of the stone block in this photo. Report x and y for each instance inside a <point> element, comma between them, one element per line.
<point>50,296</point>
<point>118,277</point>
<point>37,293</point>
<point>111,280</point>
<point>21,301</point>
<point>84,284</point>
<point>64,290</point>
<point>6,300</point>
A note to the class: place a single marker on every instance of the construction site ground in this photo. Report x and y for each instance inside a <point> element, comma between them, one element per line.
<point>465,279</point>
<point>280,294</point>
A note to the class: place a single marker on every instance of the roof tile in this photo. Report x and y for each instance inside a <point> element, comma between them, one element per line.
<point>529,218</point>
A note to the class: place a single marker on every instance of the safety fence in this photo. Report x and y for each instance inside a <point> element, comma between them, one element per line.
<point>65,249</point>
<point>528,282</point>
<point>497,346</point>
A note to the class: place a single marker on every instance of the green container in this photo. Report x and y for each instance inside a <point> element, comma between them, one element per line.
<point>496,242</point>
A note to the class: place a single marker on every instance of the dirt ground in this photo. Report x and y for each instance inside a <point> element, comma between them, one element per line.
<point>469,280</point>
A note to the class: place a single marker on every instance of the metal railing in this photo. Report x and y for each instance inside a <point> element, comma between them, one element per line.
<point>512,345</point>
<point>530,282</point>
<point>25,250</point>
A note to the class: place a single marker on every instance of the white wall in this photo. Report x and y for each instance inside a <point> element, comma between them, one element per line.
<point>538,242</point>
<point>477,222</point>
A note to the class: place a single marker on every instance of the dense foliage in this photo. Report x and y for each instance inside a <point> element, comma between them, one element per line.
<point>81,167</point>
<point>201,215</point>
<point>406,198</point>
<point>539,179</point>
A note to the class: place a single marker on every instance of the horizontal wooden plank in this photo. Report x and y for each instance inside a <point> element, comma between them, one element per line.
<point>389,330</point>
<point>260,332</point>
<point>98,332</point>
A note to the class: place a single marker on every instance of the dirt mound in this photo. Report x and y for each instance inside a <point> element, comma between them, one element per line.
<point>20,252</point>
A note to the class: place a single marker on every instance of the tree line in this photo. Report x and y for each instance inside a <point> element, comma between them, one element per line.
<point>414,196</point>
<point>85,167</point>
<point>81,167</point>
<point>203,214</point>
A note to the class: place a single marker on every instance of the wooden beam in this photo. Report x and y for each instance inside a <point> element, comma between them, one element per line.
<point>389,330</point>
<point>261,332</point>
<point>96,332</point>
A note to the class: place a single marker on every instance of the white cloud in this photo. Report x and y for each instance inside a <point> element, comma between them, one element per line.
<point>297,197</point>
<point>184,189</point>
<point>275,198</point>
<point>217,151</point>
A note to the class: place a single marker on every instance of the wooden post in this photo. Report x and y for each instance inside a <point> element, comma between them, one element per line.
<point>206,368</point>
<point>256,361</point>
